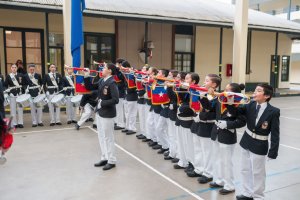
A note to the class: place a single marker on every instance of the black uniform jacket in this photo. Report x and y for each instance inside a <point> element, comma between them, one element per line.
<point>27,82</point>
<point>268,124</point>
<point>2,111</point>
<point>121,84</point>
<point>48,82</point>
<point>9,83</point>
<point>207,115</point>
<point>109,95</point>
<point>65,83</point>
<point>89,98</point>
<point>234,120</point>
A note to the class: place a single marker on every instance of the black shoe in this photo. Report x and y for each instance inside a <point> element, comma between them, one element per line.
<point>130,132</point>
<point>151,143</point>
<point>242,197</point>
<point>214,185</point>
<point>34,125</point>
<point>157,146</point>
<point>74,121</point>
<point>146,140</point>
<point>91,119</point>
<point>101,163</point>
<point>176,166</point>
<point>168,158</point>
<point>108,166</point>
<point>94,126</point>
<point>118,128</point>
<point>161,151</point>
<point>20,126</point>
<point>58,123</point>
<point>203,179</point>
<point>141,137</point>
<point>69,122</point>
<point>224,191</point>
<point>190,168</point>
<point>193,174</point>
<point>175,160</point>
<point>77,127</point>
<point>52,124</point>
<point>124,130</point>
<point>40,124</point>
<point>166,153</point>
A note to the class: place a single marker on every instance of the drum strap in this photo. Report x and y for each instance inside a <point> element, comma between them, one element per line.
<point>70,81</point>
<point>33,80</point>
<point>53,79</point>
<point>14,79</point>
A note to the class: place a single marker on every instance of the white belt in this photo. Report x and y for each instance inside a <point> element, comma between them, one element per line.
<point>69,87</point>
<point>208,121</point>
<point>34,87</point>
<point>255,136</point>
<point>15,87</point>
<point>49,87</point>
<point>185,118</point>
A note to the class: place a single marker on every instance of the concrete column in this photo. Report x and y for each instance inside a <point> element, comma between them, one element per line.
<point>240,41</point>
<point>67,31</point>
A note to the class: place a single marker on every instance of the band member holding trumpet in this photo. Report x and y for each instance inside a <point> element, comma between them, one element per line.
<point>13,83</point>
<point>224,139</point>
<point>33,84</point>
<point>108,97</point>
<point>52,84</point>
<point>69,91</point>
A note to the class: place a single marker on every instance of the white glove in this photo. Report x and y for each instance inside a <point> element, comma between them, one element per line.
<point>64,89</point>
<point>26,91</point>
<point>86,72</point>
<point>99,104</point>
<point>47,93</point>
<point>222,124</point>
<point>171,107</point>
<point>196,118</point>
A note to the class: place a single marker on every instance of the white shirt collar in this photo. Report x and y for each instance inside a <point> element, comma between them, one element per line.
<point>105,79</point>
<point>262,106</point>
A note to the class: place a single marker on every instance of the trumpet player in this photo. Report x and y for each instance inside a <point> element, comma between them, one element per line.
<point>33,84</point>
<point>13,83</point>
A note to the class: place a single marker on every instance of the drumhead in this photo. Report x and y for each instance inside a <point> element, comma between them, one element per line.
<point>39,98</point>
<point>57,98</point>
<point>76,98</point>
<point>23,97</point>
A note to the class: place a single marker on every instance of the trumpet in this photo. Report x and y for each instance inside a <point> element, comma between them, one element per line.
<point>233,98</point>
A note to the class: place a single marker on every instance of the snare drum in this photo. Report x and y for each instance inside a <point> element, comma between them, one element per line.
<point>58,100</point>
<point>40,100</point>
<point>76,100</point>
<point>24,100</point>
<point>6,99</point>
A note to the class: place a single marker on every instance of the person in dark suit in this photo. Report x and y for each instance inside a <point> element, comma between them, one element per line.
<point>262,121</point>
<point>2,110</point>
<point>108,97</point>
<point>69,91</point>
<point>20,68</point>
<point>32,81</point>
<point>13,84</point>
<point>53,84</point>
<point>224,139</point>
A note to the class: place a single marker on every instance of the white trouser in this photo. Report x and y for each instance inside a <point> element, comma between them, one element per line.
<point>223,166</point>
<point>36,113</point>
<point>105,128</point>
<point>198,156</point>
<point>189,146</point>
<point>150,127</point>
<point>162,132</point>
<point>120,120</point>
<point>253,174</point>
<point>182,141</point>
<point>14,108</point>
<point>70,109</point>
<point>172,139</point>
<point>55,117</point>
<point>208,155</point>
<point>142,118</point>
<point>87,113</point>
<point>130,115</point>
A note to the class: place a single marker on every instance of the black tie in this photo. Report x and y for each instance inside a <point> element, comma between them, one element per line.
<point>257,110</point>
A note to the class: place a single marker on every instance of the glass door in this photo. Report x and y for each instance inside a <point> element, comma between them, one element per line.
<point>57,58</point>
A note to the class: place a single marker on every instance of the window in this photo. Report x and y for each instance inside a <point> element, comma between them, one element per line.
<point>285,68</point>
<point>184,48</point>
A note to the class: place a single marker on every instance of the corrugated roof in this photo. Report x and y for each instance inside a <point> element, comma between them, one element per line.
<point>192,11</point>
